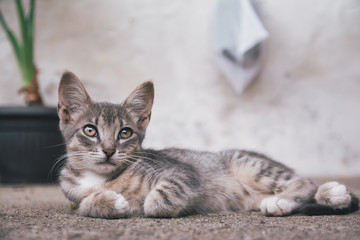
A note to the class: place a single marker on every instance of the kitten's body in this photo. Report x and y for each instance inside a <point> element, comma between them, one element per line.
<point>109,174</point>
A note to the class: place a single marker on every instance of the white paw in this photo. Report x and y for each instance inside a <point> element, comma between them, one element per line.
<point>333,194</point>
<point>273,206</point>
<point>110,193</point>
<point>121,204</point>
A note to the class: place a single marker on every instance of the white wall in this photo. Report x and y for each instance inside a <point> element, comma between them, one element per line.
<point>303,110</point>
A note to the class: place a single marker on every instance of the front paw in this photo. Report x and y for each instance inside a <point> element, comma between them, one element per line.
<point>273,206</point>
<point>158,204</point>
<point>333,194</point>
<point>105,204</point>
<point>121,204</point>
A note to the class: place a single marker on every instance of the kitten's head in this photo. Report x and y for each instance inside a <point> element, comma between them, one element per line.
<point>102,137</point>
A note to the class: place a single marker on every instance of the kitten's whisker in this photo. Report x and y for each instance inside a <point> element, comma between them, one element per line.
<point>59,163</point>
<point>155,155</point>
<point>135,158</point>
<point>55,145</point>
<point>151,170</point>
<point>161,164</point>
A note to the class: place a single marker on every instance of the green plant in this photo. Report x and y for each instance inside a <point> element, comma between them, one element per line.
<point>24,51</point>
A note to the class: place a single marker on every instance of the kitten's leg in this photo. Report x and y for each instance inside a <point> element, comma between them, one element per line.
<point>92,201</point>
<point>168,199</point>
<point>105,204</point>
<point>295,193</point>
<point>333,194</point>
<point>332,198</point>
<point>274,188</point>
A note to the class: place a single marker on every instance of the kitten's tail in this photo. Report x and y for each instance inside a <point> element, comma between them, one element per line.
<point>332,198</point>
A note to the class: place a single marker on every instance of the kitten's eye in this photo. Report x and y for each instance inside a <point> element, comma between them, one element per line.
<point>90,131</point>
<point>125,133</point>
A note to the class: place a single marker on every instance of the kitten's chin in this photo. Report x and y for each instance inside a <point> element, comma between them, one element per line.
<point>106,164</point>
<point>105,167</point>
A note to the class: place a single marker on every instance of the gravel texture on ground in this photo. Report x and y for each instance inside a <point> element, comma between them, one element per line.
<point>42,212</point>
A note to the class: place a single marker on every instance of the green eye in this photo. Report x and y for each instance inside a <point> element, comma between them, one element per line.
<point>90,131</point>
<point>125,133</point>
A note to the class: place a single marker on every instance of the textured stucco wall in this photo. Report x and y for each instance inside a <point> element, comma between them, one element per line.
<point>303,110</point>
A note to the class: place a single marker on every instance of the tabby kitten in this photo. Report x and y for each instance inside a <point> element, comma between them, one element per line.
<point>109,175</point>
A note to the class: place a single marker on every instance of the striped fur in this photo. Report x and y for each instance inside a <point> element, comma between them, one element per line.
<point>110,176</point>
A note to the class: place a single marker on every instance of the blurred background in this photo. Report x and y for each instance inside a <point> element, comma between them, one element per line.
<point>303,109</point>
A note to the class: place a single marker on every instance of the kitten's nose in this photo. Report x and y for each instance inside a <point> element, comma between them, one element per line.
<point>109,152</point>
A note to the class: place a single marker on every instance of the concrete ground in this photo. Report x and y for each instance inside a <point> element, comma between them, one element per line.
<point>42,212</point>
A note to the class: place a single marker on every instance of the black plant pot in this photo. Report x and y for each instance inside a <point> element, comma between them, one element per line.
<point>30,143</point>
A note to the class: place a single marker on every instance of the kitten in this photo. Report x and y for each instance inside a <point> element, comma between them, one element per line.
<point>109,175</point>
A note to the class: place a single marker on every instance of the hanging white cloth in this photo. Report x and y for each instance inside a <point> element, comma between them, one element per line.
<point>239,38</point>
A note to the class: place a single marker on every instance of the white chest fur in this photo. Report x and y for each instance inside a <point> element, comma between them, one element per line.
<point>90,180</point>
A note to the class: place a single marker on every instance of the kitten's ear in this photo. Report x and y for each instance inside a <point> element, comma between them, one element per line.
<point>140,103</point>
<point>72,97</point>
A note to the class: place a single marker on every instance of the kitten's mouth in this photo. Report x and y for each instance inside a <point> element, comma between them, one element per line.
<point>106,163</point>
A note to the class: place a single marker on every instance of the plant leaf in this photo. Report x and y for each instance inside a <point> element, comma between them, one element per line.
<point>30,39</point>
<point>26,62</point>
<point>30,25</point>
<point>14,42</point>
<point>21,17</point>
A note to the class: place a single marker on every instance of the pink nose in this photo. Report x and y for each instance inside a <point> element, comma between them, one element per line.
<point>109,152</point>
